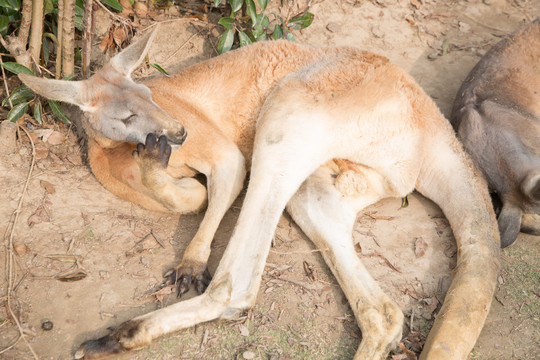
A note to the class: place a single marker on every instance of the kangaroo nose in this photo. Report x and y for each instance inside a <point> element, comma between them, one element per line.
<point>177,137</point>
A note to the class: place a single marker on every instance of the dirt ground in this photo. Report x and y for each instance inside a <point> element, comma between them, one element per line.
<point>70,225</point>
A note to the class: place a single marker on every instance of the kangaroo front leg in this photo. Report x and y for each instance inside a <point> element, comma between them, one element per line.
<point>178,195</point>
<point>225,182</point>
<point>327,218</point>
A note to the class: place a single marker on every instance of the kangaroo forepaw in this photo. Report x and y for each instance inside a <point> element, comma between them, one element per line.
<point>154,150</point>
<point>184,276</point>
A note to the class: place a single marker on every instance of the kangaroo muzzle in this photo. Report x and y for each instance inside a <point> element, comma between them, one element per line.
<point>176,137</point>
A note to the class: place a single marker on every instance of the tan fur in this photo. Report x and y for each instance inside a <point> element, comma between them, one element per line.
<point>288,110</point>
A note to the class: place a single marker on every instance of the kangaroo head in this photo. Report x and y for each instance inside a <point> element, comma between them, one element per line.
<point>116,107</point>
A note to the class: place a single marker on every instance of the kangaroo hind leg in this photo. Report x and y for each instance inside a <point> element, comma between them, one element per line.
<point>327,217</point>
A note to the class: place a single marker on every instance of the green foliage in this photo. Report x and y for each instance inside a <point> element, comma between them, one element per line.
<point>57,110</point>
<point>160,69</point>
<point>17,68</point>
<point>248,23</point>
<point>10,18</point>
<point>17,111</point>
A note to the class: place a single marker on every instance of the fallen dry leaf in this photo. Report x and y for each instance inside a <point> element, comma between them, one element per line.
<point>311,273</point>
<point>20,249</point>
<point>50,188</point>
<point>72,276</point>
<point>41,151</point>
<point>420,247</point>
<point>39,216</point>
<point>415,3</point>
<point>119,36</point>
<point>56,138</point>
<point>160,294</point>
<point>244,331</point>
<point>106,43</point>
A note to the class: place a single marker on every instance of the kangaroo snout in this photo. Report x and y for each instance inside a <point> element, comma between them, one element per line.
<point>177,137</point>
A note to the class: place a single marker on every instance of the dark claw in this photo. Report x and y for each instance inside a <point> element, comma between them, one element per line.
<point>170,277</point>
<point>183,278</point>
<point>156,149</point>
<point>183,284</point>
<point>202,281</point>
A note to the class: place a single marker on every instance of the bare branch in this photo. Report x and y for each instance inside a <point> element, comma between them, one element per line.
<point>87,36</point>
<point>59,44</point>
<point>68,41</point>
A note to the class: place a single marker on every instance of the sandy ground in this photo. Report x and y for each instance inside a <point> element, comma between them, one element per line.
<point>69,224</point>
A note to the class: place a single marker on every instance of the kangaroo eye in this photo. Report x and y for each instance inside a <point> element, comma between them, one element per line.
<point>129,119</point>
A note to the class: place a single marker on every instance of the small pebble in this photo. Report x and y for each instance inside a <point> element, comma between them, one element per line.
<point>46,325</point>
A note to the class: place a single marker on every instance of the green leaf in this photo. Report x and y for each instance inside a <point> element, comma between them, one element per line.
<point>113,4</point>
<point>405,201</point>
<point>4,24</point>
<point>263,20</point>
<point>244,38</point>
<point>225,41</point>
<point>48,7</point>
<point>50,36</point>
<point>17,111</point>
<point>262,4</point>
<point>57,110</point>
<point>290,37</point>
<point>19,95</point>
<point>227,22</point>
<point>251,10</point>
<point>37,113</point>
<point>79,13</point>
<point>11,4</point>
<point>301,22</point>
<point>17,68</point>
<point>69,77</point>
<point>161,70</point>
<point>278,32</point>
<point>45,51</point>
<point>217,2</point>
<point>236,4</point>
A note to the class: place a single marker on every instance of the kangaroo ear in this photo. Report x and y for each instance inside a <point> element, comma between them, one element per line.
<point>132,56</point>
<point>67,91</point>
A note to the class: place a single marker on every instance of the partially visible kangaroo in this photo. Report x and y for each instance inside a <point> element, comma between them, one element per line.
<point>497,116</point>
<point>290,112</point>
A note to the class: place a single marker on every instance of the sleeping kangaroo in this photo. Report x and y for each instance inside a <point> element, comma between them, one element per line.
<point>290,111</point>
<point>497,116</point>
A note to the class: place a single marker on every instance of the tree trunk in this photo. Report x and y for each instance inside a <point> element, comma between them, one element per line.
<point>88,33</point>
<point>36,36</point>
<point>60,38</point>
<point>68,41</point>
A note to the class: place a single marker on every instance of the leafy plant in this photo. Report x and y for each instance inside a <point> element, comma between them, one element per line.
<point>248,23</point>
<point>14,23</point>
<point>23,97</point>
